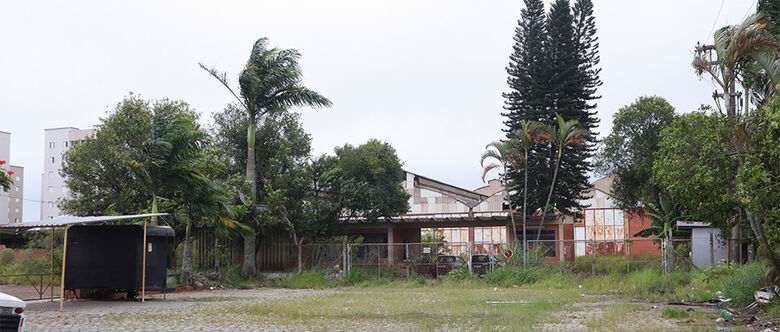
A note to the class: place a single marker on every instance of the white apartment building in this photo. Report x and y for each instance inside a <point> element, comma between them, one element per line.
<point>11,201</point>
<point>53,187</point>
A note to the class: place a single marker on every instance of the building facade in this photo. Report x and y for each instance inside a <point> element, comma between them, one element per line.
<point>11,202</point>
<point>53,188</point>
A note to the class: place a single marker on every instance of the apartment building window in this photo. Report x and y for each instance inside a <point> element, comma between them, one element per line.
<point>18,178</point>
<point>51,145</point>
<point>51,189</point>
<point>65,144</point>
<point>17,188</point>
<point>16,199</point>
<point>51,204</point>
<point>51,174</point>
<point>16,220</point>
<point>51,217</point>
<point>16,210</point>
<point>52,159</point>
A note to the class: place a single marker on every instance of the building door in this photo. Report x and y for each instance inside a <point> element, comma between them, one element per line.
<point>579,241</point>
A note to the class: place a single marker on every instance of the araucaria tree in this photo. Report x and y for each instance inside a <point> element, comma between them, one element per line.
<point>553,69</point>
<point>270,83</point>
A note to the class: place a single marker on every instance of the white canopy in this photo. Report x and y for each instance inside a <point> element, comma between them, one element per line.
<point>70,220</point>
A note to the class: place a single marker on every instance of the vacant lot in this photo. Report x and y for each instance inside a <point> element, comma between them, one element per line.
<point>387,308</point>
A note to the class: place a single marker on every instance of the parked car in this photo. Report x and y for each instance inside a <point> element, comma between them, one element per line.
<point>481,264</point>
<point>11,313</point>
<point>445,264</point>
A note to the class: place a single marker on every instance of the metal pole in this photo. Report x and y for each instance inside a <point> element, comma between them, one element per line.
<point>51,267</point>
<point>143,266</point>
<point>62,279</point>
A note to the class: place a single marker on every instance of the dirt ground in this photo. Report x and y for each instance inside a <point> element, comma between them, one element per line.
<point>28,292</point>
<point>271,309</point>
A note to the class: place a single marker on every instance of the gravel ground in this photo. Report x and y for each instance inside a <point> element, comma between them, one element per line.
<point>187,311</point>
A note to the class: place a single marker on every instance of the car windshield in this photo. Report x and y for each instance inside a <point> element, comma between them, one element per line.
<point>447,259</point>
<point>480,258</point>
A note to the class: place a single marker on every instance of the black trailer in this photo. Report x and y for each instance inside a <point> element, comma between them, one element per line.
<point>111,257</point>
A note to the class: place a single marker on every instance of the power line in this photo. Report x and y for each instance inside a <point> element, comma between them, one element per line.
<point>714,23</point>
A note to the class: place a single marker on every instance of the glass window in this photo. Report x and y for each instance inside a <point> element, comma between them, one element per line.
<point>65,144</point>
<point>52,159</point>
<point>18,178</point>
<point>51,145</point>
<point>51,174</point>
<point>16,210</point>
<point>51,204</point>
<point>51,189</point>
<point>16,199</point>
<point>17,188</point>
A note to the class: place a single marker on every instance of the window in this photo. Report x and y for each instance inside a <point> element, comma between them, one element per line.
<point>17,188</point>
<point>16,199</point>
<point>51,217</point>
<point>51,145</point>
<point>16,210</point>
<point>18,178</point>
<point>51,174</point>
<point>52,159</point>
<point>16,220</point>
<point>51,189</point>
<point>65,144</point>
<point>51,204</point>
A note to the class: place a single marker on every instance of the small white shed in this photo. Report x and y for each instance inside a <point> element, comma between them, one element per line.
<point>707,245</point>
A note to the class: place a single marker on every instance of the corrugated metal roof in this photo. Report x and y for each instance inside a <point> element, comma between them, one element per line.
<point>70,220</point>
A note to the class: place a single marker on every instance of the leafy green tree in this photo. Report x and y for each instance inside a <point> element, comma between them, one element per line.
<point>98,171</point>
<point>628,151</point>
<point>367,181</point>
<point>664,215</point>
<point>565,136</point>
<point>270,83</point>
<point>694,166</point>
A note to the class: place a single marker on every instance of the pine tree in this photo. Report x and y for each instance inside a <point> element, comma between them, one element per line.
<point>554,70</point>
<point>526,99</point>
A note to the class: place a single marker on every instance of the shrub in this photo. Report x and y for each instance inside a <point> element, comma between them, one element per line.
<point>509,276</point>
<point>7,257</point>
<point>740,284</point>
<point>457,275</point>
<point>355,277</point>
<point>306,280</point>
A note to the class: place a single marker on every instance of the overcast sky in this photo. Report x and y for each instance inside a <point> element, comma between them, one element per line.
<point>426,76</point>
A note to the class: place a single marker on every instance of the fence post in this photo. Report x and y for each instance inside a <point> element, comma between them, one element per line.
<point>627,244</point>
<point>378,261</point>
<point>468,254</point>
<point>593,257</point>
<point>344,259</point>
<point>349,259</point>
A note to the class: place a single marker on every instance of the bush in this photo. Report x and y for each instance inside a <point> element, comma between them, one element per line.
<point>509,276</point>
<point>355,277</point>
<point>7,257</point>
<point>740,284</point>
<point>306,280</point>
<point>457,275</point>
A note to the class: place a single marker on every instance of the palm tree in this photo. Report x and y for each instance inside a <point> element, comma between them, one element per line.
<point>270,83</point>
<point>504,156</point>
<point>748,45</point>
<point>664,215</point>
<point>205,201</point>
<point>527,137</point>
<point>169,156</point>
<point>565,134</point>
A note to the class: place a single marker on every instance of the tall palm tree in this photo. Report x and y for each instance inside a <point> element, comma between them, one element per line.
<point>750,44</point>
<point>527,137</point>
<point>503,155</point>
<point>565,134</point>
<point>271,82</point>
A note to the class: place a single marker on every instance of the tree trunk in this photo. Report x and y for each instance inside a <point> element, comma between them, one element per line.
<point>525,203</point>
<point>186,261</point>
<point>669,252</point>
<point>217,254</point>
<point>754,221</point>
<point>549,195</point>
<point>249,267</point>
